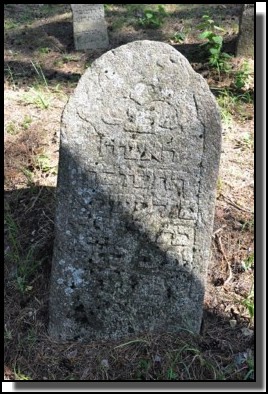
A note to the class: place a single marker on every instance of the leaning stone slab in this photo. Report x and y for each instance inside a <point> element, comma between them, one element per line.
<point>89,27</point>
<point>139,158</point>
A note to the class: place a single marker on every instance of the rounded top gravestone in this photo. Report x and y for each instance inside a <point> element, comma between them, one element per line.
<point>139,158</point>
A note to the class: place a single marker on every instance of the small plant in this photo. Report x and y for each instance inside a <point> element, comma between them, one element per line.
<point>217,58</point>
<point>219,185</point>
<point>29,175</point>
<point>8,334</point>
<point>179,37</point>
<point>242,76</point>
<point>248,302</point>
<point>152,18</point>
<point>247,140</point>
<point>143,369</point>
<point>44,50</point>
<point>38,98</point>
<point>9,24</point>
<point>11,128</point>
<point>41,77</point>
<point>20,376</point>
<point>171,374</point>
<point>10,76</point>
<point>43,163</point>
<point>69,58</point>
<point>27,267</point>
<point>248,263</point>
<point>27,120</point>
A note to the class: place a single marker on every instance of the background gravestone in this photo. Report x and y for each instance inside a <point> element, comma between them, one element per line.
<point>89,27</point>
<point>245,43</point>
<point>139,158</point>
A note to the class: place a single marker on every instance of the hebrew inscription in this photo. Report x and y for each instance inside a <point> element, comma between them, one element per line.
<point>139,157</point>
<point>89,27</point>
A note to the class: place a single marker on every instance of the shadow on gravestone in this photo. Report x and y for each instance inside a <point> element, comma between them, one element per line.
<point>139,158</point>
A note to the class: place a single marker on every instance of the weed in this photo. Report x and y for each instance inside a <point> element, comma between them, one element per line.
<point>131,342</point>
<point>40,74</point>
<point>11,76</point>
<point>153,18</point>
<point>44,50</point>
<point>13,232</point>
<point>31,336</point>
<point>248,302</point>
<point>250,365</point>
<point>69,58</point>
<point>9,24</point>
<point>29,176</point>
<point>143,369</point>
<point>248,263</point>
<point>179,37</point>
<point>226,104</point>
<point>171,374</point>
<point>8,334</point>
<point>217,58</point>
<point>27,120</point>
<point>27,267</point>
<point>247,140</point>
<point>242,76</point>
<point>219,185</point>
<point>11,128</point>
<point>248,225</point>
<point>43,163</point>
<point>38,98</point>
<point>20,376</point>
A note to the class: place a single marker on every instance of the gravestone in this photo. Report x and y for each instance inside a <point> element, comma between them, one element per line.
<point>89,27</point>
<point>139,158</point>
<point>245,42</point>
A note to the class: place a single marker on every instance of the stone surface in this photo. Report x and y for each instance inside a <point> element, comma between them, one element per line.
<point>139,158</point>
<point>245,42</point>
<point>89,27</point>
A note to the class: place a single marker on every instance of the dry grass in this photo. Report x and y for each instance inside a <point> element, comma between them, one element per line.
<point>42,35</point>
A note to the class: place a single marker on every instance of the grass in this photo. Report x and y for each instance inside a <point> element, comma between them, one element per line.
<point>25,262</point>
<point>248,302</point>
<point>232,104</point>
<point>37,97</point>
<point>20,376</point>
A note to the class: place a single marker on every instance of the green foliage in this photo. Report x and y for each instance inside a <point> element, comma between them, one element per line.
<point>20,376</point>
<point>26,264</point>
<point>44,50</point>
<point>153,18</point>
<point>179,37</point>
<point>27,120</point>
<point>143,369</point>
<point>11,128</point>
<point>214,42</point>
<point>248,302</point>
<point>171,374</point>
<point>248,263</point>
<point>242,76</point>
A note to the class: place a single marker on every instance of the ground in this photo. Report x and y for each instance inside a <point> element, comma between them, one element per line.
<point>41,71</point>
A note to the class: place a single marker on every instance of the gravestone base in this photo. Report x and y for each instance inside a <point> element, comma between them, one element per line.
<point>139,158</point>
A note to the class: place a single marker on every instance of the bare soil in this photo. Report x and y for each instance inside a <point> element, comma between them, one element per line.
<point>39,40</point>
